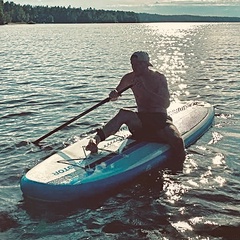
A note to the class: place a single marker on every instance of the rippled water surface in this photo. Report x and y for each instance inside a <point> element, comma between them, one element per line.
<point>51,73</point>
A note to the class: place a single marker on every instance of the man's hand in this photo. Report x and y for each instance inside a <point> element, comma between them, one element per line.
<point>114,95</point>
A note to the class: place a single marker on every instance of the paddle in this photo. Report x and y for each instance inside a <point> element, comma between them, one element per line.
<point>36,142</point>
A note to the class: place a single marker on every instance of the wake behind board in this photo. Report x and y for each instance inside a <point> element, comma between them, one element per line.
<point>73,173</point>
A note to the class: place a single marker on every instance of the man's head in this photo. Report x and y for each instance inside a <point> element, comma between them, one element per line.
<point>141,57</point>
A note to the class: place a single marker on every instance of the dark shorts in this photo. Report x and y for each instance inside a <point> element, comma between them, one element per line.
<point>151,124</point>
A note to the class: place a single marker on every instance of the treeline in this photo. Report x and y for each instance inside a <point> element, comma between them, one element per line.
<point>145,17</point>
<point>15,13</point>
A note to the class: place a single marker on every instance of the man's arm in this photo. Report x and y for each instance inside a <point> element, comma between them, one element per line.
<point>124,83</point>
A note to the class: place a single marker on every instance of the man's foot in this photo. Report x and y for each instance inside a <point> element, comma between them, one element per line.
<point>92,146</point>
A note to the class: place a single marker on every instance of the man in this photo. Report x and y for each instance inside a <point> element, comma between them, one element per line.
<point>151,122</point>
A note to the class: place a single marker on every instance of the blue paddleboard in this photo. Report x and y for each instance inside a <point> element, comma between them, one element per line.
<point>73,173</point>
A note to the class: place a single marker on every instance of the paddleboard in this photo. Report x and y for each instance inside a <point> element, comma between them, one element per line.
<point>73,173</point>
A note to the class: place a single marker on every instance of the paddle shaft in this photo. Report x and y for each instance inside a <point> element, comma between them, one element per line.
<point>78,116</point>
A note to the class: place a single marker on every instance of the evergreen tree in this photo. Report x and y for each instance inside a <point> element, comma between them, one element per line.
<point>1,13</point>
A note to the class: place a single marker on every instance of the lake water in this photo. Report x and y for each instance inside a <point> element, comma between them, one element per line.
<point>51,73</point>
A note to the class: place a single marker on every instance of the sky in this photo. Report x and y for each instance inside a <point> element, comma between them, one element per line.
<point>228,8</point>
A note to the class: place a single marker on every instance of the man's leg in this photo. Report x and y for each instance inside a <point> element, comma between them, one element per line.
<point>171,136</point>
<point>124,116</point>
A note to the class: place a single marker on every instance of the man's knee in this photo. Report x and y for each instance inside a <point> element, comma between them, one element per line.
<point>176,142</point>
<point>127,111</point>
<point>123,113</point>
<point>129,117</point>
<point>172,135</point>
<point>178,148</point>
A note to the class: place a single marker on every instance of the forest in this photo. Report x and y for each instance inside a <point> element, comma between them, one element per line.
<point>16,13</point>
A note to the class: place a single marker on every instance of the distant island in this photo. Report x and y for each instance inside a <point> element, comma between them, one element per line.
<point>16,13</point>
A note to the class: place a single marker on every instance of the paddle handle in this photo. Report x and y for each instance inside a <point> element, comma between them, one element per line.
<point>36,142</point>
